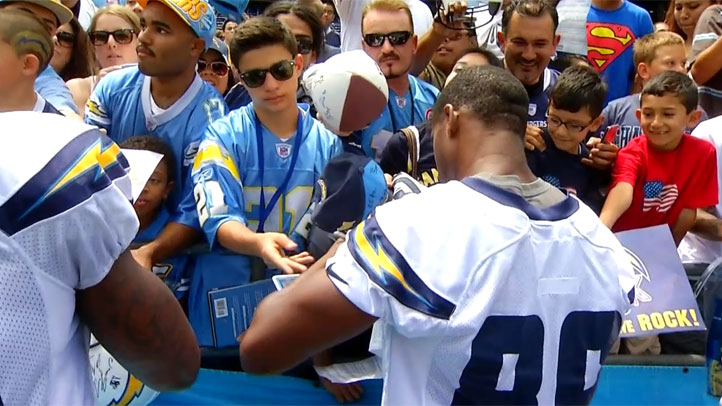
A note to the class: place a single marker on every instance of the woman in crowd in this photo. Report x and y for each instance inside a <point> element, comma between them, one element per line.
<point>682,16</point>
<point>213,67</point>
<point>72,57</point>
<point>114,35</point>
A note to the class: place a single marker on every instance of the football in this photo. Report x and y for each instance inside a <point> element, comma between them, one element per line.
<point>349,91</point>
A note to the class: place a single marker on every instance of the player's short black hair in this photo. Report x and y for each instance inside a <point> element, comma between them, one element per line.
<point>579,87</point>
<point>493,59</point>
<point>260,32</point>
<point>305,13</point>
<point>676,84</point>
<point>529,8</point>
<point>493,95</point>
<point>153,144</point>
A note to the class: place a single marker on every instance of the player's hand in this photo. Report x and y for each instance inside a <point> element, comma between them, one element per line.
<point>271,247</point>
<point>534,139</point>
<point>143,257</point>
<point>601,155</point>
<point>343,392</point>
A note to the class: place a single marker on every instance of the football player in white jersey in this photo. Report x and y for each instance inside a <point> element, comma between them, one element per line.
<point>493,288</point>
<point>65,225</point>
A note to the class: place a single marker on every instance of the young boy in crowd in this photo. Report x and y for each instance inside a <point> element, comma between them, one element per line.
<point>653,54</point>
<point>663,176</point>
<point>255,171</point>
<point>575,105</point>
<point>153,214</point>
<point>25,51</point>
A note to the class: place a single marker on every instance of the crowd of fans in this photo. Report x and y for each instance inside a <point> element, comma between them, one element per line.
<point>611,125</point>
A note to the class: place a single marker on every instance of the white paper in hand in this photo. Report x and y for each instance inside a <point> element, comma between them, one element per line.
<point>142,164</point>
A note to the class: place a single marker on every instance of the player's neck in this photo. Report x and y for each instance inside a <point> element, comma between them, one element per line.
<point>400,84</point>
<point>22,98</point>
<point>282,124</point>
<point>167,90</point>
<point>609,5</point>
<point>495,154</point>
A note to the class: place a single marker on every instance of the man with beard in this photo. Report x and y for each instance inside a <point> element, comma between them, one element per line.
<point>164,97</point>
<point>528,39</point>
<point>388,38</point>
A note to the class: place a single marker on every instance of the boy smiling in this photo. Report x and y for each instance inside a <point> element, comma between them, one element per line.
<point>663,176</point>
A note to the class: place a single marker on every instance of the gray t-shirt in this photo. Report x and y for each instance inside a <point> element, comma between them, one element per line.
<point>538,193</point>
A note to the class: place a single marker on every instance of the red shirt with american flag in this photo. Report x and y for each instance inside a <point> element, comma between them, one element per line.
<point>665,182</point>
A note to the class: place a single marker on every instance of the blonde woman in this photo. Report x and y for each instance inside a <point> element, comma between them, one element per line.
<point>113,32</point>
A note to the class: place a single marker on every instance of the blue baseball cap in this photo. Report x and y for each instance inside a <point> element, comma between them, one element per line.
<point>198,14</point>
<point>220,47</point>
<point>350,188</point>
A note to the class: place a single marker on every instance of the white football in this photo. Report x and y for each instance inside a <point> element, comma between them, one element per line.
<point>113,384</point>
<point>349,91</point>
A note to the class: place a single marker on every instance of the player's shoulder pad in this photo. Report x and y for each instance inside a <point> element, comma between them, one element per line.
<point>388,269</point>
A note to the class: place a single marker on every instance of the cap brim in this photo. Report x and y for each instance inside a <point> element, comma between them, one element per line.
<point>62,13</point>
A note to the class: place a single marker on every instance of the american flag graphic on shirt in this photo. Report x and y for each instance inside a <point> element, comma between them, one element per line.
<point>659,195</point>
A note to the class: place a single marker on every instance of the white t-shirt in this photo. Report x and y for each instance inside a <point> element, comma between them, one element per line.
<point>65,217</point>
<point>483,298</point>
<point>350,11</point>
<point>694,249</point>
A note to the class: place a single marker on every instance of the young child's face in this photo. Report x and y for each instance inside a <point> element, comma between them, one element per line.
<point>666,58</point>
<point>568,129</point>
<point>156,190</point>
<point>664,120</point>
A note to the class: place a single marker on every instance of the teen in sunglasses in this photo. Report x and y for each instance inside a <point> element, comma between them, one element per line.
<point>72,57</point>
<point>213,67</point>
<point>113,33</point>
<point>304,24</point>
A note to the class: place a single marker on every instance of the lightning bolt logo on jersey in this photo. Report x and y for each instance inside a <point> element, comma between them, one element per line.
<point>228,181</point>
<point>121,104</point>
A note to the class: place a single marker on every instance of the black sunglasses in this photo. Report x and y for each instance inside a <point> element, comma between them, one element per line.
<point>66,39</point>
<point>395,38</point>
<point>305,45</point>
<point>124,36</point>
<point>282,70</point>
<point>218,67</point>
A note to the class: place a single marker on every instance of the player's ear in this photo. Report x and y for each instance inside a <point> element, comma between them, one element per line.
<point>452,121</point>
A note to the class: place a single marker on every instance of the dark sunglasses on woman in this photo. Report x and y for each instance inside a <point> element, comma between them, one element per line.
<point>305,45</point>
<point>124,36</point>
<point>218,68</point>
<point>65,39</point>
<point>395,38</point>
<point>282,70</point>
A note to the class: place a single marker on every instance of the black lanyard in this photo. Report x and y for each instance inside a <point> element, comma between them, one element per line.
<point>266,210</point>
<point>391,112</point>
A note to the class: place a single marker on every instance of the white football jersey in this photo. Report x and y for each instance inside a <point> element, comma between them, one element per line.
<point>483,298</point>
<point>65,217</point>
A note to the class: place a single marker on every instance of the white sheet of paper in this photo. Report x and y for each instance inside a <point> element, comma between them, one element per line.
<point>142,164</point>
<point>348,372</point>
<point>573,26</point>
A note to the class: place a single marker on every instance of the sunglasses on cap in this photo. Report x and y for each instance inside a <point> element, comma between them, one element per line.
<point>305,45</point>
<point>282,70</point>
<point>65,39</point>
<point>218,67</point>
<point>124,36</point>
<point>395,38</point>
